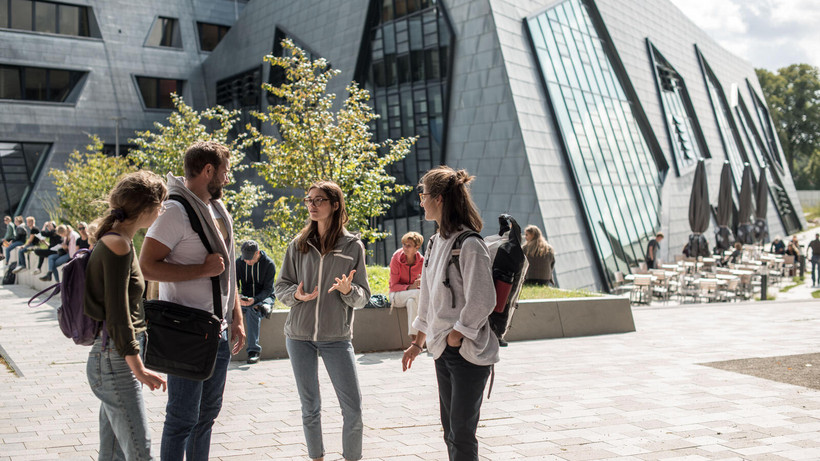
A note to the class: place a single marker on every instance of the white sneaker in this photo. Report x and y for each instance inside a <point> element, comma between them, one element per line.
<point>35,271</point>
<point>17,269</point>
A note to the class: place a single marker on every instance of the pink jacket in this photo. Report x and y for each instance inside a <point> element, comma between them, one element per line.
<point>402,275</point>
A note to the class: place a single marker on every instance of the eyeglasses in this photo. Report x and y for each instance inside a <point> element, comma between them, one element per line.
<point>317,202</point>
<point>421,196</point>
<point>81,228</point>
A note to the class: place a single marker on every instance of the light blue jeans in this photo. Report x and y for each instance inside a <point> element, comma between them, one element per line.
<point>124,432</point>
<point>253,322</point>
<point>340,364</point>
<point>192,409</point>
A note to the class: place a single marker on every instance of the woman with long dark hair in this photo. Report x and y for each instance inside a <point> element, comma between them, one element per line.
<point>323,278</point>
<point>113,294</point>
<point>454,304</point>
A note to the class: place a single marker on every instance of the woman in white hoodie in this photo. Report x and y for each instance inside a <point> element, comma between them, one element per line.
<point>454,304</point>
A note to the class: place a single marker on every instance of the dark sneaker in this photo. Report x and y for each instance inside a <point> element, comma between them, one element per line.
<point>253,357</point>
<point>46,278</point>
<point>502,343</point>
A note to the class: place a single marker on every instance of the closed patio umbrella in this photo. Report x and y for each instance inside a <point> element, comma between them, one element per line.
<point>723,235</point>
<point>762,202</point>
<point>699,212</point>
<point>745,230</point>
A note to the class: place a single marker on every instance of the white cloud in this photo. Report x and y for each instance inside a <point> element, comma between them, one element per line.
<point>768,33</point>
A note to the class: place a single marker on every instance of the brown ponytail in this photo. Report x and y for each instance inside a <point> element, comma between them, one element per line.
<point>458,209</point>
<point>134,194</point>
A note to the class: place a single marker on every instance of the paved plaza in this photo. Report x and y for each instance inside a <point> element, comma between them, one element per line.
<point>639,396</point>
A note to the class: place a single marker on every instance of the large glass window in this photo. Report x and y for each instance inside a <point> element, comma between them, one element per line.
<point>682,124</point>
<point>20,164</point>
<point>767,126</point>
<point>156,92</point>
<point>242,92</point>
<point>39,84</point>
<point>48,17</point>
<point>165,33</point>
<point>404,64</point>
<point>210,35</point>
<point>608,147</point>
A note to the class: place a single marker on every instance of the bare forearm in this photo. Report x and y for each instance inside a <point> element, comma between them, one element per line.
<point>161,271</point>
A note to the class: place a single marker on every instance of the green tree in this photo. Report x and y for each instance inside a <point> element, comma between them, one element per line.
<point>317,143</point>
<point>793,96</point>
<point>83,185</point>
<point>162,152</point>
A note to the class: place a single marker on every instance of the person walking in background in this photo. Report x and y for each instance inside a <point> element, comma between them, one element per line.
<point>113,294</point>
<point>255,273</point>
<point>173,254</point>
<point>652,251</point>
<point>405,274</point>
<point>814,247</point>
<point>453,308</point>
<point>69,248</point>
<point>31,243</point>
<point>323,279</point>
<point>540,256</point>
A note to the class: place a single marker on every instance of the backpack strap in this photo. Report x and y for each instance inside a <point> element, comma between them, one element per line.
<point>55,291</point>
<point>196,225</point>
<point>454,259</point>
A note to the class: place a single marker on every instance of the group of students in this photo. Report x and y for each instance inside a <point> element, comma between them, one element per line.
<point>322,279</point>
<point>55,243</point>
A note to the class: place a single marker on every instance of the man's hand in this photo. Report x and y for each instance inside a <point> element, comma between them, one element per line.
<point>213,265</point>
<point>237,336</point>
<point>244,302</point>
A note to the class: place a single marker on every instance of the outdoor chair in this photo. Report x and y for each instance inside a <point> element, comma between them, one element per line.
<point>660,288</point>
<point>620,286</point>
<point>708,290</point>
<point>641,289</point>
<point>788,265</point>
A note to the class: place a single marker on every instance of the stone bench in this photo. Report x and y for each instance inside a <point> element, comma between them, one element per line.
<point>382,330</point>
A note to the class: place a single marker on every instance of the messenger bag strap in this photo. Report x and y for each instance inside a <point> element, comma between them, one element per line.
<point>196,225</point>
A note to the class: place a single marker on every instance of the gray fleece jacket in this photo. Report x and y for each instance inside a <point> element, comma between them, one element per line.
<point>329,317</point>
<point>472,291</point>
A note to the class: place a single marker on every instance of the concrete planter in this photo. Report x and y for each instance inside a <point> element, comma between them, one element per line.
<point>383,330</point>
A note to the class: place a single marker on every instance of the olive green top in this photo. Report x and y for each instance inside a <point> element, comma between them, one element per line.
<point>113,292</point>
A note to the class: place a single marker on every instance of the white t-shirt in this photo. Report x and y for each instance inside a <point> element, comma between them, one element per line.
<point>173,229</point>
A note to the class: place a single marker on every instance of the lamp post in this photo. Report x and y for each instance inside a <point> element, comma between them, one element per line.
<point>117,121</point>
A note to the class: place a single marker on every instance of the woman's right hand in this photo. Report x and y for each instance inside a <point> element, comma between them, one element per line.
<point>302,296</point>
<point>143,375</point>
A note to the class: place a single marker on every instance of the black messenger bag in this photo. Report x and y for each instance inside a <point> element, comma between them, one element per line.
<point>183,341</point>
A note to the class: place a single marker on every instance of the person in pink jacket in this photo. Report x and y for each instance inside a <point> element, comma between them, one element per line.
<point>405,273</point>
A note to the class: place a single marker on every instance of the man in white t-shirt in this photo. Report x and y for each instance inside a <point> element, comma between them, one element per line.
<point>174,255</point>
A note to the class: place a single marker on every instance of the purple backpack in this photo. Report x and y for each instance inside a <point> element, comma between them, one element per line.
<point>73,322</point>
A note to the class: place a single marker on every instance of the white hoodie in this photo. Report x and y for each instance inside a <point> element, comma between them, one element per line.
<point>473,292</point>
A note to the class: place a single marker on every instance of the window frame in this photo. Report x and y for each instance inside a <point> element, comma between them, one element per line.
<point>181,86</point>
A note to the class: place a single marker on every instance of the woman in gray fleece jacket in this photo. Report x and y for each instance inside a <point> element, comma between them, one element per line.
<point>453,316</point>
<point>323,278</point>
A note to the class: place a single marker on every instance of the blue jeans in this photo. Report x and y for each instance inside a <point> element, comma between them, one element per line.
<point>55,261</point>
<point>460,391</point>
<point>253,322</point>
<point>21,256</point>
<point>11,246</point>
<point>191,410</point>
<point>124,431</point>
<point>340,364</point>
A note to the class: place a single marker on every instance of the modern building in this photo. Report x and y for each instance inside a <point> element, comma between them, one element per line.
<point>584,117</point>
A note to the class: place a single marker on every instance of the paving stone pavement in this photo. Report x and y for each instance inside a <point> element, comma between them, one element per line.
<point>636,396</point>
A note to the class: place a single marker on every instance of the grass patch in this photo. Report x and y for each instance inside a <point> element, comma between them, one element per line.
<point>811,213</point>
<point>815,294</point>
<point>547,292</point>
<point>3,362</point>
<point>798,279</point>
<point>768,297</point>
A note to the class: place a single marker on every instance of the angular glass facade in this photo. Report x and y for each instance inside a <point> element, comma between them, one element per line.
<point>48,17</point>
<point>242,92</point>
<point>165,33</point>
<point>40,84</point>
<point>729,134</point>
<point>767,126</point>
<point>405,63</point>
<point>20,164</point>
<point>210,35</point>
<point>615,170</point>
<point>685,135</point>
<point>156,92</point>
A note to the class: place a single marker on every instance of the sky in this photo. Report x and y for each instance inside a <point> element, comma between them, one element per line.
<point>768,33</point>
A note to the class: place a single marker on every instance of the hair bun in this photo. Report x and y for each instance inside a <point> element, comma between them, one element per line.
<point>463,177</point>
